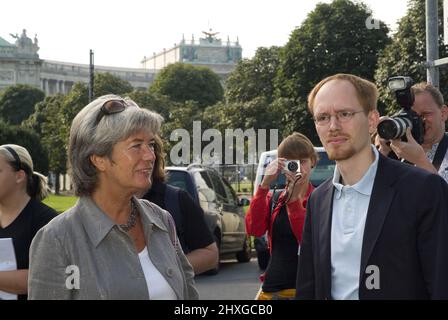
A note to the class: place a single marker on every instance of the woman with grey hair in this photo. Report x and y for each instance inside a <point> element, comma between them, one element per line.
<point>111,245</point>
<point>22,214</point>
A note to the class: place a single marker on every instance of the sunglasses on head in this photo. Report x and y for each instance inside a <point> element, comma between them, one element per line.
<point>113,106</point>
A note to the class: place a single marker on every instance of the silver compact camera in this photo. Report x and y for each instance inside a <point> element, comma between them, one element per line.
<point>292,165</point>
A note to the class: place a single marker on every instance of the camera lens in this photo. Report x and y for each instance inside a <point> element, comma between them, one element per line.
<point>393,128</point>
<point>387,129</point>
<point>293,166</point>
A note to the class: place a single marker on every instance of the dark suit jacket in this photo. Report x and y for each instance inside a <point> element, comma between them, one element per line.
<point>405,236</point>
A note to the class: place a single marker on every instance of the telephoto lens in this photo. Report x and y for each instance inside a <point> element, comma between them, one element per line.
<point>393,128</point>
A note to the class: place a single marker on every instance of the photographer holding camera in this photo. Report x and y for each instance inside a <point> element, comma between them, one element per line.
<point>282,214</point>
<point>432,153</point>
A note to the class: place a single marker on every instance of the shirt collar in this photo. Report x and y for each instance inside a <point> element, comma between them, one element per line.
<point>363,186</point>
<point>98,224</point>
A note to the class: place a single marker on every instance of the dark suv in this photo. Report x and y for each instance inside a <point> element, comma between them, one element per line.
<point>223,211</point>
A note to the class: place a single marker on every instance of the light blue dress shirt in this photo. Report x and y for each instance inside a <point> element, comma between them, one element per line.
<point>350,205</point>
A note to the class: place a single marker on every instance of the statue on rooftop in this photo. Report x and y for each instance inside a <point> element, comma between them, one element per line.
<point>210,35</point>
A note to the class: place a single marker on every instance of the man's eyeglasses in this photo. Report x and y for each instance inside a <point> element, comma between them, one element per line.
<point>113,106</point>
<point>323,119</point>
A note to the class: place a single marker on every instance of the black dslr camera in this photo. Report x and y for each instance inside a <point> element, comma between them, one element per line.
<point>395,126</point>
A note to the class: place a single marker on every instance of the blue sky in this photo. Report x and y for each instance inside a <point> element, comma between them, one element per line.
<point>122,32</point>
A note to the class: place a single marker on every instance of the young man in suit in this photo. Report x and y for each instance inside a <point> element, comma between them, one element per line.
<point>379,228</point>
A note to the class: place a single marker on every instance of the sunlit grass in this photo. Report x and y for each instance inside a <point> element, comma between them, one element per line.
<point>60,203</point>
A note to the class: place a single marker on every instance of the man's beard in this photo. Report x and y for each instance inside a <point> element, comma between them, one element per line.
<point>341,152</point>
<point>338,154</point>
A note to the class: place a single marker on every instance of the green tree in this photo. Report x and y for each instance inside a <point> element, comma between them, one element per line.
<point>332,39</point>
<point>28,139</point>
<point>154,102</point>
<point>49,121</point>
<point>17,102</point>
<point>54,137</point>
<point>406,55</point>
<point>39,116</point>
<point>107,83</point>
<point>256,113</point>
<point>254,77</point>
<point>75,100</point>
<point>180,117</point>
<point>182,82</point>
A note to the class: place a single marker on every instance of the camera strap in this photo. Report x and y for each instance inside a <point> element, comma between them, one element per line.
<point>440,153</point>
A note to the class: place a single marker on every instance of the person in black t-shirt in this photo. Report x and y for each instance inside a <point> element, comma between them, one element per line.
<point>22,213</point>
<point>194,235</point>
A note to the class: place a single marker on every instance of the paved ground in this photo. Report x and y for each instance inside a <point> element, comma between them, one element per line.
<point>235,281</point>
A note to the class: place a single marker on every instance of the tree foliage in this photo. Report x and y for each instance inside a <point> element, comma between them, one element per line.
<point>182,82</point>
<point>27,138</point>
<point>332,39</point>
<point>107,83</point>
<point>253,78</point>
<point>39,116</point>
<point>17,102</point>
<point>154,102</point>
<point>52,135</point>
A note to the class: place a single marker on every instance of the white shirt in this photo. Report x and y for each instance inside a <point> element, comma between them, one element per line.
<point>158,287</point>
<point>443,170</point>
<point>350,205</point>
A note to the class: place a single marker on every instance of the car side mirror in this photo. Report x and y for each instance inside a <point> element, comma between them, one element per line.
<point>243,202</point>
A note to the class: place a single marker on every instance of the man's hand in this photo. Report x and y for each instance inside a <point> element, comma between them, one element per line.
<point>412,152</point>
<point>383,145</point>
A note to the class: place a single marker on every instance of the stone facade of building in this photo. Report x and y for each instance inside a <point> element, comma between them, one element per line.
<point>208,52</point>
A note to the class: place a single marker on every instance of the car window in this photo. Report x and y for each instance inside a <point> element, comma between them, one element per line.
<point>218,187</point>
<point>204,186</point>
<point>231,195</point>
<point>179,179</point>
<point>323,170</point>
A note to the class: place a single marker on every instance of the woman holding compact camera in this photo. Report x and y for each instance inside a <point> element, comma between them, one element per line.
<point>281,213</point>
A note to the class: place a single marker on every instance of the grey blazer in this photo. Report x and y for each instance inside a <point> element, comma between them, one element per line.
<point>83,254</point>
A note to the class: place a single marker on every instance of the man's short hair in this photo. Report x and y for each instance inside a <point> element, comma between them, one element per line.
<point>366,91</point>
<point>297,146</point>
<point>89,137</point>
<point>433,91</point>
